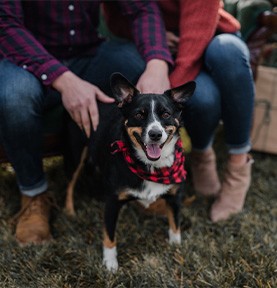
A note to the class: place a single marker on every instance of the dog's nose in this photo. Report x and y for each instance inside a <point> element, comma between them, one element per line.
<point>155,134</point>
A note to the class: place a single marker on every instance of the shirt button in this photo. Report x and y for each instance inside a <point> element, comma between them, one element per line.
<point>43,77</point>
<point>72,32</point>
<point>24,66</point>
<point>71,7</point>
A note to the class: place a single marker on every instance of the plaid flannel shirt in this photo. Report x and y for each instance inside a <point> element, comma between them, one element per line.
<point>37,35</point>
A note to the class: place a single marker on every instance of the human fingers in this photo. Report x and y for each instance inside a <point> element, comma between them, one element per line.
<point>86,122</point>
<point>172,38</point>
<point>154,79</point>
<point>93,113</point>
<point>153,83</point>
<point>101,96</point>
<point>76,116</point>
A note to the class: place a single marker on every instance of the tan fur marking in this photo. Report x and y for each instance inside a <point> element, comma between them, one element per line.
<point>170,130</point>
<point>189,200</point>
<point>107,242</point>
<point>123,195</point>
<point>171,221</point>
<point>174,189</point>
<point>131,131</point>
<point>69,202</point>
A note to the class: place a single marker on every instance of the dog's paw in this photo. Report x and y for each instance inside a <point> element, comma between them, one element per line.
<point>110,259</point>
<point>174,238</point>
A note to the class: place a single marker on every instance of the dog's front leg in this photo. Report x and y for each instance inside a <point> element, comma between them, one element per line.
<point>173,214</point>
<point>112,208</point>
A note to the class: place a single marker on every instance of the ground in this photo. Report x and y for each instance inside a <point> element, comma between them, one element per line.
<point>240,252</point>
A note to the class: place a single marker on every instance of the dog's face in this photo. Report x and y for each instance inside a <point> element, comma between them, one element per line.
<point>151,120</point>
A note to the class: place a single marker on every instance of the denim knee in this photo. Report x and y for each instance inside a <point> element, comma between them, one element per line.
<point>19,91</point>
<point>226,53</point>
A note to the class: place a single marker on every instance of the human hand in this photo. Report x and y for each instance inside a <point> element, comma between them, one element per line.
<point>79,98</point>
<point>172,41</point>
<point>154,79</point>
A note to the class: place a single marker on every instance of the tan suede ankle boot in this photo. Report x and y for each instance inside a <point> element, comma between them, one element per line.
<point>235,185</point>
<point>204,173</point>
<point>33,220</point>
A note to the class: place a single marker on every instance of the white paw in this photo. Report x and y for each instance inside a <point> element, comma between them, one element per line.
<point>110,259</point>
<point>174,238</point>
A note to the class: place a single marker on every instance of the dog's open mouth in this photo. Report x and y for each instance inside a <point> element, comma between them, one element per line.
<point>152,151</point>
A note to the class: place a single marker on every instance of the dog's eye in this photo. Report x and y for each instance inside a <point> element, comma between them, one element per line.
<point>139,116</point>
<point>166,115</point>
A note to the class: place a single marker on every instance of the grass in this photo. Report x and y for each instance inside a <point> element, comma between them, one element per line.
<point>241,252</point>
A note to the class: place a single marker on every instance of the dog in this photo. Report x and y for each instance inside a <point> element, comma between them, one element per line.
<point>139,153</point>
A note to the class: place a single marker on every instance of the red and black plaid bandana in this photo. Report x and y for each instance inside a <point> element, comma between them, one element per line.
<point>166,175</point>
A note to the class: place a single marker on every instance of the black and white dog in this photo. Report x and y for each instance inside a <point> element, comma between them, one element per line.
<point>139,153</point>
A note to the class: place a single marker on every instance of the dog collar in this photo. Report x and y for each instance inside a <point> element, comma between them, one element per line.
<point>166,175</point>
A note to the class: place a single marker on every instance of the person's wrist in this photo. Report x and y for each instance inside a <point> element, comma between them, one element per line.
<point>63,81</point>
<point>157,65</point>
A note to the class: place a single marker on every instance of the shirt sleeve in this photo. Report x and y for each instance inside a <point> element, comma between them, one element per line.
<point>18,45</point>
<point>147,29</point>
<point>197,26</point>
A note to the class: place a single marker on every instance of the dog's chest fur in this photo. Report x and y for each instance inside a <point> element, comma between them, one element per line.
<point>149,192</point>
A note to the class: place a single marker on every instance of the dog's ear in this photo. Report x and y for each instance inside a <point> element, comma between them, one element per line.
<point>182,93</point>
<point>123,90</point>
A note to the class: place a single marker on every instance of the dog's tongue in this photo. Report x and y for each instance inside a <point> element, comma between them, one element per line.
<point>153,151</point>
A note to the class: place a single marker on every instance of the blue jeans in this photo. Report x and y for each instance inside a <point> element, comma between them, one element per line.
<point>23,101</point>
<point>224,91</point>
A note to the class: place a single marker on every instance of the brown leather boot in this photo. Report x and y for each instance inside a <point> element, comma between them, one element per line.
<point>204,173</point>
<point>33,220</point>
<point>233,192</point>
